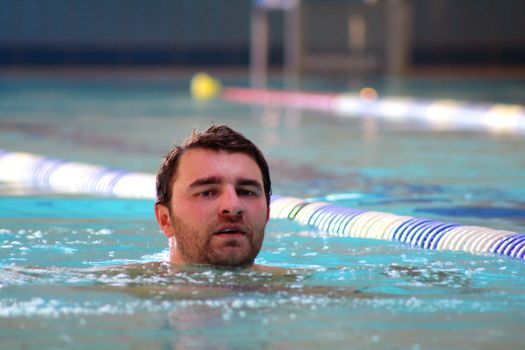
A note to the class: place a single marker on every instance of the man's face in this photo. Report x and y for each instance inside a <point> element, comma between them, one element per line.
<point>218,209</point>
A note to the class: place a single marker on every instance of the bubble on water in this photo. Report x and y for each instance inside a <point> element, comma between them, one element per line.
<point>251,303</point>
<point>311,254</point>
<point>414,302</point>
<point>161,256</point>
<point>17,259</point>
<point>107,309</point>
<point>101,232</point>
<point>237,304</point>
<point>68,250</point>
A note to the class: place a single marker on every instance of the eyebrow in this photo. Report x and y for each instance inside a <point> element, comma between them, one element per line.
<point>212,180</point>
<point>215,180</point>
<point>250,182</point>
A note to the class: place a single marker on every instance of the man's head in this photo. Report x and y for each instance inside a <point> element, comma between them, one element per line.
<point>213,194</point>
<point>218,138</point>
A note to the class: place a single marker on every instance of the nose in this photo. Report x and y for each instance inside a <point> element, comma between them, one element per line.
<point>230,204</point>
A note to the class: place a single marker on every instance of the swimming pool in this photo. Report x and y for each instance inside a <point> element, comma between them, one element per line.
<point>62,280</point>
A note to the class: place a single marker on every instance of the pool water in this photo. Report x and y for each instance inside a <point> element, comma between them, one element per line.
<point>66,280</point>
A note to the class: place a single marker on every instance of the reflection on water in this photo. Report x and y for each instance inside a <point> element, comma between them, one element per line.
<point>159,305</point>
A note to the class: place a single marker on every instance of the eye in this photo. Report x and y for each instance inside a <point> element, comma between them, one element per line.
<point>247,192</point>
<point>206,193</point>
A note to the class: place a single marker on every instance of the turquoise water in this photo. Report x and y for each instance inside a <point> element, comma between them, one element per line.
<point>64,281</point>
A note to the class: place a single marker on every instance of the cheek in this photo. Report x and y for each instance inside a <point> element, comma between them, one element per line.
<point>258,212</point>
<point>192,215</point>
<point>192,208</point>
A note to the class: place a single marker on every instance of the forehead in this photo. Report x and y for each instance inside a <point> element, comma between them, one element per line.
<point>202,162</point>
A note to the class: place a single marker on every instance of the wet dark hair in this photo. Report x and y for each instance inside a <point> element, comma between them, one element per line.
<point>216,137</point>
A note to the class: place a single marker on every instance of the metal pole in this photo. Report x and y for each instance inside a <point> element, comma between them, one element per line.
<point>292,39</point>
<point>399,30</point>
<point>259,47</point>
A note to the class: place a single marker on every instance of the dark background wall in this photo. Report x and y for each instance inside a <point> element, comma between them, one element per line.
<point>217,32</point>
<point>469,31</point>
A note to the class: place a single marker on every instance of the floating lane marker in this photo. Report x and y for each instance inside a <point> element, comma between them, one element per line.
<point>73,177</point>
<point>79,178</point>
<point>438,114</point>
<point>340,221</point>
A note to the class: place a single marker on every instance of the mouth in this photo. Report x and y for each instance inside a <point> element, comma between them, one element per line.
<point>228,231</point>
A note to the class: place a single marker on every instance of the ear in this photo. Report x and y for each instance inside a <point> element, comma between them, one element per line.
<point>162,214</point>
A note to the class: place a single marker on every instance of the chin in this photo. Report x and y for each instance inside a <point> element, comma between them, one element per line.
<point>233,260</point>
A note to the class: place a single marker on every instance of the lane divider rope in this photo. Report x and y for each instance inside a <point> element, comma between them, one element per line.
<point>73,177</point>
<point>340,221</point>
<point>438,114</point>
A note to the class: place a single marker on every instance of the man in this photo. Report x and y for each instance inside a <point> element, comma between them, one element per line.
<point>213,197</point>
